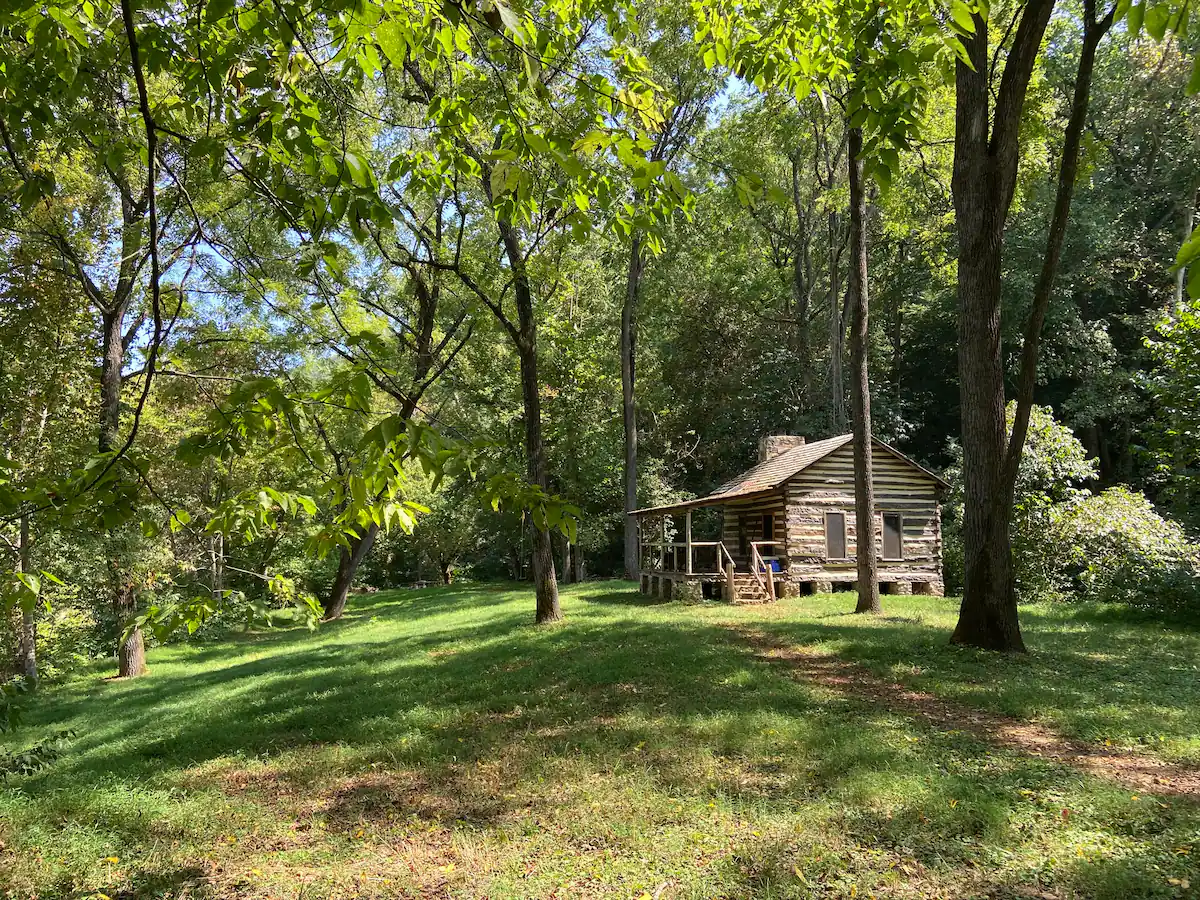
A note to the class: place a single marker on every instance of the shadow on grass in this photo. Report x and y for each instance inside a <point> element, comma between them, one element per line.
<point>1093,677</point>
<point>440,713</point>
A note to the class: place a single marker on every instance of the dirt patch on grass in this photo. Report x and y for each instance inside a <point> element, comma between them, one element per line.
<point>1136,771</point>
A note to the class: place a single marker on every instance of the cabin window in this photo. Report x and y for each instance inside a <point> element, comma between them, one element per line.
<point>768,527</point>
<point>835,535</point>
<point>893,536</point>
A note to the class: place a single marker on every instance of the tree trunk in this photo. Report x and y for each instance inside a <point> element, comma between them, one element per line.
<point>348,563</point>
<point>423,361</point>
<point>577,568</point>
<point>112,360</point>
<point>27,635</point>
<point>564,554</point>
<point>837,337</point>
<point>525,338</point>
<point>628,405</point>
<point>131,654</point>
<point>864,489</point>
<point>1068,168</point>
<point>988,616</point>
<point>545,583</point>
<point>984,178</point>
<point>801,284</point>
<point>216,564</point>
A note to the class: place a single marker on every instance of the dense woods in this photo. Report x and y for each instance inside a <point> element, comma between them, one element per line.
<point>304,299</point>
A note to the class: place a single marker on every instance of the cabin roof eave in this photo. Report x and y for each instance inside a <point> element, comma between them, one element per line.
<point>699,502</point>
<point>770,475</point>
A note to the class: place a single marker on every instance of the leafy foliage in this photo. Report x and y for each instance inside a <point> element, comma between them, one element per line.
<point>1114,547</point>
<point>1072,544</point>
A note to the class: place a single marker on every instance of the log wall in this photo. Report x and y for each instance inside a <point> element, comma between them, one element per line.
<point>751,512</point>
<point>828,486</point>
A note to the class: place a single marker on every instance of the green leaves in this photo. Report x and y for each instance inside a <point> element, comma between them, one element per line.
<point>216,10</point>
<point>394,40</point>
<point>1189,258</point>
<point>24,590</point>
<point>963,17</point>
<point>360,172</point>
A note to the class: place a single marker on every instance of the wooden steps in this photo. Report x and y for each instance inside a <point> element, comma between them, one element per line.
<point>748,589</point>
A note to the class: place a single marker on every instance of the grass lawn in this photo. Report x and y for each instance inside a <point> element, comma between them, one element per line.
<point>436,744</point>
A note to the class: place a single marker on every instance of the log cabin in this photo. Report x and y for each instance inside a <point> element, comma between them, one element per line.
<point>788,527</point>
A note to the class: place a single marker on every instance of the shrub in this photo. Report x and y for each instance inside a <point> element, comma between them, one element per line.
<point>1114,547</point>
<point>1054,469</point>
<point>1069,543</point>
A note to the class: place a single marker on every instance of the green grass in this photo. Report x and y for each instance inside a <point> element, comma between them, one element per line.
<point>435,744</point>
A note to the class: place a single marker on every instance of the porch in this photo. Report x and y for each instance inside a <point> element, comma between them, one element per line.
<point>673,561</point>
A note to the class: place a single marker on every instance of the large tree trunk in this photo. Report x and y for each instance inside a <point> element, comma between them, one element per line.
<point>864,489</point>
<point>348,563</point>
<point>544,580</point>
<point>112,360</point>
<point>985,170</point>
<point>131,654</point>
<point>988,616</point>
<point>27,633</point>
<point>628,405</point>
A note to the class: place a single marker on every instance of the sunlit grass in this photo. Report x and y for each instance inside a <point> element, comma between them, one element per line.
<point>438,744</point>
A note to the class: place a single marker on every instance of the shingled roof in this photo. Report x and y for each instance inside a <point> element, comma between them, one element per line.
<point>771,473</point>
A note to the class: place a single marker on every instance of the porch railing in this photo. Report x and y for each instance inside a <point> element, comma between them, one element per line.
<point>759,567</point>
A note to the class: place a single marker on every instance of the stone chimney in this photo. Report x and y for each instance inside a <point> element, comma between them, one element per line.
<point>770,445</point>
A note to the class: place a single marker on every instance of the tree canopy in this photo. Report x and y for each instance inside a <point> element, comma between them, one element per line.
<point>302,297</point>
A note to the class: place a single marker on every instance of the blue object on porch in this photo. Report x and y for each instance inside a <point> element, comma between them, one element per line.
<point>774,564</point>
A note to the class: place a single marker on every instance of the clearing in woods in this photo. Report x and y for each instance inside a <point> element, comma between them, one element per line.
<point>435,744</point>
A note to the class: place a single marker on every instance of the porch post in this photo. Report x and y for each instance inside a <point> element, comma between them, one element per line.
<point>638,543</point>
<point>662,550</point>
<point>688,540</point>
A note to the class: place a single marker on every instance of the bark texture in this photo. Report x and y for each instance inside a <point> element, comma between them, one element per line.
<point>986,154</point>
<point>131,650</point>
<point>864,489</point>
